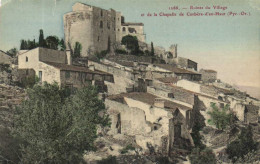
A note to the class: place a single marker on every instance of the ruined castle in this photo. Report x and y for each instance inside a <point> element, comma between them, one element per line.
<point>97,29</point>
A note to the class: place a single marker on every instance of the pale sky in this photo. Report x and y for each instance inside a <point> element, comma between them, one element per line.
<point>229,45</point>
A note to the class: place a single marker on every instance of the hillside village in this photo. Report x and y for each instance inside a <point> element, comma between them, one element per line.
<point>153,101</point>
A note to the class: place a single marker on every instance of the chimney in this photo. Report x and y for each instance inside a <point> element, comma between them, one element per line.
<point>91,67</point>
<point>159,102</point>
<point>69,60</point>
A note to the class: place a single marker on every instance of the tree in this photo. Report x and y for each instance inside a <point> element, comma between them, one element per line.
<point>52,42</point>
<point>56,127</point>
<point>152,49</point>
<point>41,39</point>
<point>62,45</point>
<point>131,43</point>
<point>77,50</point>
<point>197,137</point>
<point>12,52</point>
<point>243,145</point>
<point>23,45</point>
<point>220,117</point>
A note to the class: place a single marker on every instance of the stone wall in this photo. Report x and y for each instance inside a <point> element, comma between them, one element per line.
<point>208,76</point>
<point>78,28</point>
<point>192,86</point>
<point>49,55</point>
<point>187,63</point>
<point>75,79</point>
<point>93,27</point>
<point>50,74</point>
<point>104,24</point>
<point>28,59</point>
<point>25,73</point>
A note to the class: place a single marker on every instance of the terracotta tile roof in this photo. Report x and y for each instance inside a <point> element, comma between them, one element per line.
<point>146,98</point>
<point>176,69</point>
<point>132,23</point>
<point>66,67</point>
<point>168,79</point>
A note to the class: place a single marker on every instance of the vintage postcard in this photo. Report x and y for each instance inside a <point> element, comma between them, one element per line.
<point>129,81</point>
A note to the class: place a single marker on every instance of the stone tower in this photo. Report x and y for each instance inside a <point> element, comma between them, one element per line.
<point>93,27</point>
<point>173,50</point>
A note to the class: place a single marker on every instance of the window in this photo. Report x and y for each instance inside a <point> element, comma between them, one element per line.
<point>101,13</point>
<point>101,24</point>
<point>26,59</point>
<point>170,95</point>
<point>123,29</point>
<point>40,76</point>
<point>108,25</point>
<point>67,74</point>
<point>98,39</point>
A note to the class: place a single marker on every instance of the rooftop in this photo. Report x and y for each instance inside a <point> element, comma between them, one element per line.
<point>146,98</point>
<point>168,79</point>
<point>195,93</point>
<point>176,69</point>
<point>209,70</point>
<point>65,67</point>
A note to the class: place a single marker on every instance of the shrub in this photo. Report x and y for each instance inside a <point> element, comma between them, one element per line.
<point>127,148</point>
<point>220,117</point>
<point>162,160</point>
<point>29,82</point>
<point>131,43</point>
<point>205,156</point>
<point>9,147</point>
<point>243,145</point>
<point>119,51</point>
<point>102,54</point>
<point>55,127</point>
<point>109,160</point>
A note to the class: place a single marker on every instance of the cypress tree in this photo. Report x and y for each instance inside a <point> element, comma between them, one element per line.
<point>152,49</point>
<point>22,45</point>
<point>41,39</point>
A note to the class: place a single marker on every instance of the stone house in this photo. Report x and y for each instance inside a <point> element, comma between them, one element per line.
<point>97,29</point>
<point>4,58</point>
<point>199,102</point>
<point>151,119</point>
<point>181,73</point>
<point>54,66</point>
<point>208,75</point>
